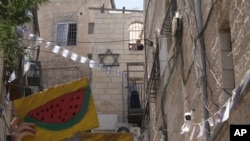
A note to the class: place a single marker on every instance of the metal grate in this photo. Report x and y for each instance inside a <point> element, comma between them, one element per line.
<point>66,34</point>
<point>167,23</point>
<point>135,30</point>
<point>154,80</point>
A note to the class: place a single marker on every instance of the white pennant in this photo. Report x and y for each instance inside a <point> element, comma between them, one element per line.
<point>56,49</point>
<point>74,56</point>
<point>8,98</point>
<point>192,134</point>
<point>28,13</point>
<point>227,111</point>
<point>185,128</point>
<point>108,70</point>
<point>202,126</point>
<point>12,77</point>
<point>91,63</point>
<point>39,40</point>
<point>26,66</point>
<point>117,72</point>
<point>218,116</point>
<point>31,36</point>
<point>100,67</point>
<point>83,59</point>
<point>210,121</point>
<point>65,53</point>
<point>48,44</point>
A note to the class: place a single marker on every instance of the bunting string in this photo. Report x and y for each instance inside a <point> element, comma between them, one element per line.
<point>222,115</point>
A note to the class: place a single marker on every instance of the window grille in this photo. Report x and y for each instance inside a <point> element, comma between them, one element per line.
<point>135,30</point>
<point>135,33</point>
<point>66,34</point>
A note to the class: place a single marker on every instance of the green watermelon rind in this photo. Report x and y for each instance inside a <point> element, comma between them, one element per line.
<point>68,124</point>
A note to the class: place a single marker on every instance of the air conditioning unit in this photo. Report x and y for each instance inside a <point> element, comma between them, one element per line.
<point>122,127</point>
<point>137,132</point>
<point>107,122</point>
<point>176,23</point>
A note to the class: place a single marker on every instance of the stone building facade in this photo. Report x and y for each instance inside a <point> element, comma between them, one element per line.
<point>203,58</point>
<point>75,21</point>
<point>109,88</point>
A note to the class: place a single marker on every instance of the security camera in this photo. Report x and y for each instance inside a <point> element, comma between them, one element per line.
<point>188,116</point>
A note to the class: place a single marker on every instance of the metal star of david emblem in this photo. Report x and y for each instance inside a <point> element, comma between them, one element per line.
<point>114,59</point>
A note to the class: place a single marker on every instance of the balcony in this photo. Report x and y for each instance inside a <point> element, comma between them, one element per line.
<point>136,96</point>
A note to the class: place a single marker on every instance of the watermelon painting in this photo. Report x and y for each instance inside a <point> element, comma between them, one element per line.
<point>60,111</point>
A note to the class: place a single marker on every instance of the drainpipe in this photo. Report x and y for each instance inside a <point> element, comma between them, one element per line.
<point>203,82</point>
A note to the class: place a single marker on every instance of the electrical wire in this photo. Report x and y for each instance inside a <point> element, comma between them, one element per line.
<point>96,42</point>
<point>6,124</point>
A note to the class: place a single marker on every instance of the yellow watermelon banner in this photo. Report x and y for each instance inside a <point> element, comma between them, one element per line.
<point>107,136</point>
<point>60,111</point>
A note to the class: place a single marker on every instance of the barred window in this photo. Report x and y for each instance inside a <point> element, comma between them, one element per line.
<point>135,35</point>
<point>66,34</point>
<point>135,30</point>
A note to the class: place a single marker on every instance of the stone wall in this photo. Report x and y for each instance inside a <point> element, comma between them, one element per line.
<point>57,69</point>
<point>224,28</point>
<point>111,32</point>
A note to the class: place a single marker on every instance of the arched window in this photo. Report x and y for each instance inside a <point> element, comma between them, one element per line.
<point>135,30</point>
<point>135,34</point>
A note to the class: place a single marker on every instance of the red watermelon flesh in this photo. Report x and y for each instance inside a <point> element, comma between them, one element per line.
<point>61,109</point>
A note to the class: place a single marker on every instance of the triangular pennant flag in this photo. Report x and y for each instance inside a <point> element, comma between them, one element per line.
<point>26,66</point>
<point>65,53</point>
<point>235,97</point>
<point>100,67</point>
<point>28,13</point>
<point>210,121</point>
<point>31,36</point>
<point>56,49</point>
<point>12,77</point>
<point>39,40</point>
<point>227,111</point>
<point>192,134</point>
<point>83,59</point>
<point>59,112</point>
<point>91,63</point>
<point>202,127</point>
<point>48,44</point>
<point>117,72</point>
<point>185,128</point>
<point>108,70</point>
<point>219,116</point>
<point>74,56</point>
<point>8,98</point>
